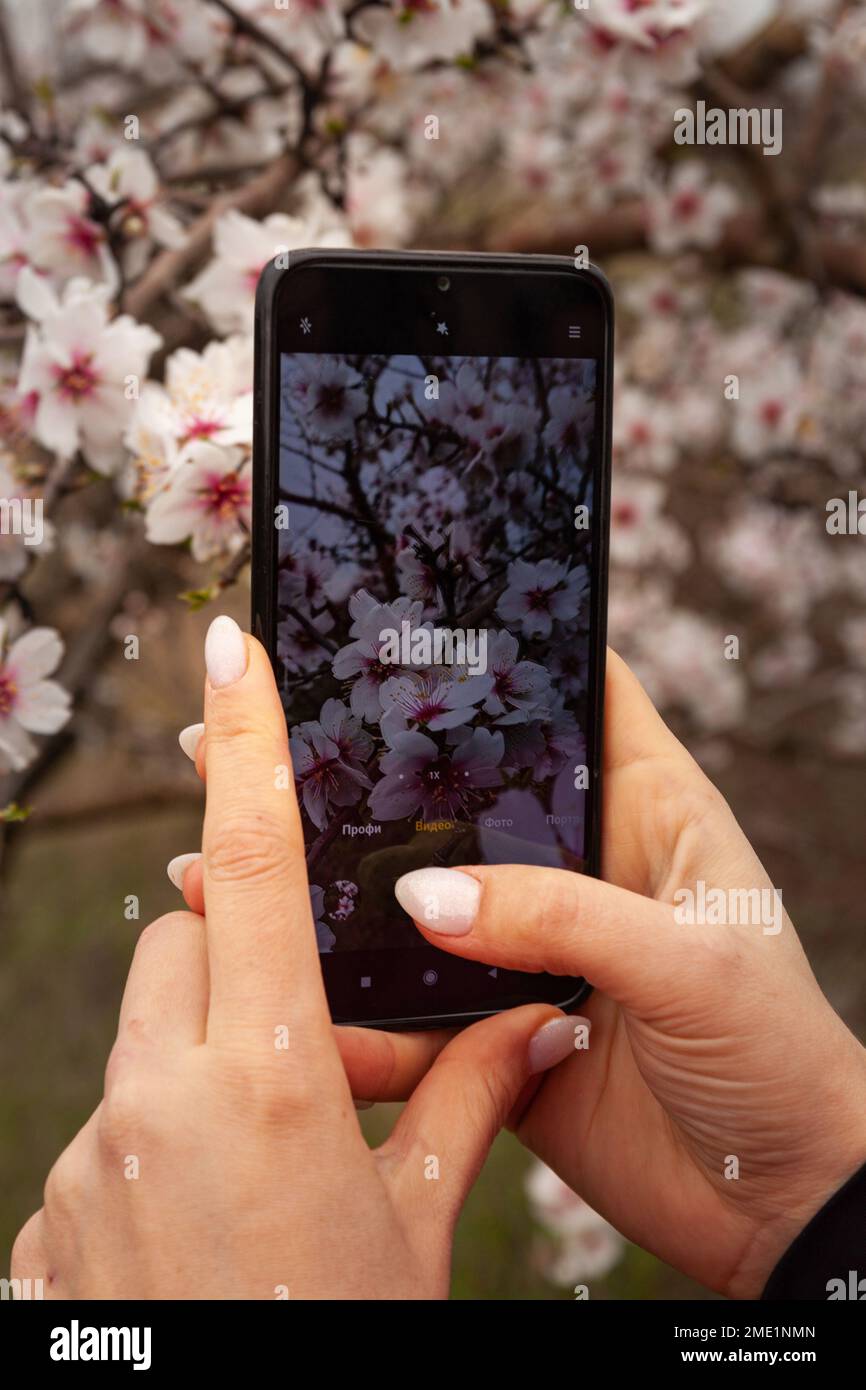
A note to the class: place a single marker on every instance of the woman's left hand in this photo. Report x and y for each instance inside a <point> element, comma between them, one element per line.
<point>225,1159</point>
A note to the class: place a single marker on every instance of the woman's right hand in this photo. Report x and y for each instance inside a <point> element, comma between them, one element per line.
<point>721,1100</point>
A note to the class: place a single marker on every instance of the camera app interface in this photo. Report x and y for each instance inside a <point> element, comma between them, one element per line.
<point>434,589</point>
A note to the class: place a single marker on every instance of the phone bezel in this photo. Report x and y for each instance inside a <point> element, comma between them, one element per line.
<point>270,290</point>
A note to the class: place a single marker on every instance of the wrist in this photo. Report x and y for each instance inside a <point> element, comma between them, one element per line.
<point>831,1156</point>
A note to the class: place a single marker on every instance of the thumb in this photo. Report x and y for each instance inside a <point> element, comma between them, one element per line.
<point>534,919</point>
<point>443,1135</point>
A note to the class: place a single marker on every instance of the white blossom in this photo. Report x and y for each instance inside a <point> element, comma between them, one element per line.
<point>581,1245</point>
<point>82,368</point>
<point>206,395</point>
<point>206,499</point>
<point>128,178</point>
<point>226,288</point>
<point>407,33</point>
<point>63,239</point>
<point>29,702</point>
<point>690,211</point>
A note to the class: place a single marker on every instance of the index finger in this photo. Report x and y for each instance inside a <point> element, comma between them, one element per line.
<point>264,965</point>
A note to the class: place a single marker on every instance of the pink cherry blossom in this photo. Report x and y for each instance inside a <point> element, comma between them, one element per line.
<point>63,238</point>
<point>29,702</point>
<point>431,699</point>
<point>572,417</point>
<point>582,1245</point>
<point>330,397</point>
<point>328,758</point>
<point>538,594</point>
<point>520,685</point>
<point>317,25</point>
<point>226,287</point>
<point>298,644</point>
<point>15,233</point>
<point>205,396</point>
<point>640,533</point>
<point>439,786</point>
<point>128,178</point>
<point>643,431</point>
<point>205,498</point>
<point>690,211</point>
<point>360,660</point>
<point>407,33</point>
<point>82,367</point>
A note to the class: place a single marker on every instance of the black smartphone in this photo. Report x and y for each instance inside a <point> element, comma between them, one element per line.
<point>429,576</point>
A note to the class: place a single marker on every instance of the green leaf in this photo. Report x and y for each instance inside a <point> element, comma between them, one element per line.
<point>14,812</point>
<point>43,90</point>
<point>197,598</point>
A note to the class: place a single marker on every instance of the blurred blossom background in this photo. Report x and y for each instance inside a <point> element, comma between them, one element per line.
<point>154,154</point>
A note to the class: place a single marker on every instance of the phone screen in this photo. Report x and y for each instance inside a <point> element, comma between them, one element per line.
<point>434,625</point>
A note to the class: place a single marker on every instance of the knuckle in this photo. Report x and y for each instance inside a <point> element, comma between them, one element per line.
<point>276,1106</point>
<point>124,1055</point>
<point>256,847</point>
<point>126,1116</point>
<point>266,1093</point>
<point>64,1186</point>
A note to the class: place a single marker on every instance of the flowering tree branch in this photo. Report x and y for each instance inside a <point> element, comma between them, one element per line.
<point>130,246</point>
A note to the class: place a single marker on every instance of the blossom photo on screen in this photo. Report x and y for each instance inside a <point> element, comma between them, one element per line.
<point>433,608</point>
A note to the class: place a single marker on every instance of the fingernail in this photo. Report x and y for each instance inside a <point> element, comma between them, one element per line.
<point>177,867</point>
<point>554,1041</point>
<point>190,738</point>
<point>225,652</point>
<point>444,900</point>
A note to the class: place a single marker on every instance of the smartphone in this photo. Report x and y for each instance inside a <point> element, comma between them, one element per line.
<point>429,577</point>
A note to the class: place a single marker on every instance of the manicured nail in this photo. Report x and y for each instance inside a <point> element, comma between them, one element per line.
<point>554,1041</point>
<point>178,866</point>
<point>190,738</point>
<point>444,900</point>
<point>225,652</point>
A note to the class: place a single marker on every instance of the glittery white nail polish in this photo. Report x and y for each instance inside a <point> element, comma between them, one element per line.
<point>225,652</point>
<point>554,1041</point>
<point>443,900</point>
